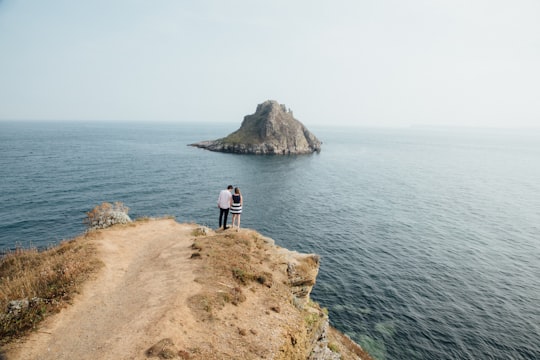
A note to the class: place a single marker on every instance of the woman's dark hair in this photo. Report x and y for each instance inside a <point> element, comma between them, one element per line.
<point>236,190</point>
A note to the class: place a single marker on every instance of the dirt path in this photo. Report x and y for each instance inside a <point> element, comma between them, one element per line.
<point>138,299</point>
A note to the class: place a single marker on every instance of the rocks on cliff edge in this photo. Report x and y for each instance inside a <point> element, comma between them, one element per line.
<point>271,130</point>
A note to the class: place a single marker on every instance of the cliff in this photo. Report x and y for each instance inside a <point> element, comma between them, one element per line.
<point>182,291</point>
<point>272,129</point>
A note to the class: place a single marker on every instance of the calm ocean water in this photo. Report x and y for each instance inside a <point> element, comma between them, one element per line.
<point>430,239</point>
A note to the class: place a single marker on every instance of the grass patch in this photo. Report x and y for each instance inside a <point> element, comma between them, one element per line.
<point>311,319</point>
<point>333,347</point>
<point>246,135</point>
<point>200,231</point>
<point>34,284</point>
<point>245,276</point>
<point>229,263</point>
<point>242,275</point>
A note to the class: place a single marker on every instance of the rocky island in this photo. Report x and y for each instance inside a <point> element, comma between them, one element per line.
<point>271,130</point>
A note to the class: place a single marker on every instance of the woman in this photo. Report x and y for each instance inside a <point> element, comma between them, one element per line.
<point>236,207</point>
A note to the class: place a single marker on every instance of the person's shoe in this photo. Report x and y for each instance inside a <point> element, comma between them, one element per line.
<point>225,227</point>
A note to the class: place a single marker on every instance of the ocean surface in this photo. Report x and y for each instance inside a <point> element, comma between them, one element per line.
<point>430,238</point>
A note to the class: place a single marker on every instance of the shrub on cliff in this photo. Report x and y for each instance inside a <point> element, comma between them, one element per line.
<point>106,214</point>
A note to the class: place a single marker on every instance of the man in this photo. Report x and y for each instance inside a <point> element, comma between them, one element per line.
<point>224,203</point>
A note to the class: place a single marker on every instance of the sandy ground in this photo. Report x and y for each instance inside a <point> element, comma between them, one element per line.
<point>138,298</point>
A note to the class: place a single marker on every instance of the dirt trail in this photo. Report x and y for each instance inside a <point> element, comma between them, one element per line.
<point>138,298</point>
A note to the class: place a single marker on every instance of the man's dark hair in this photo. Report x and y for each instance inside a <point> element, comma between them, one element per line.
<point>229,187</point>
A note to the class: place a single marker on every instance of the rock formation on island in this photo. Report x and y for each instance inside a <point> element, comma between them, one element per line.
<point>271,130</point>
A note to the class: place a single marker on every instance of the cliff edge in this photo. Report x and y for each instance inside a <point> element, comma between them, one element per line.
<point>182,291</point>
<point>271,130</point>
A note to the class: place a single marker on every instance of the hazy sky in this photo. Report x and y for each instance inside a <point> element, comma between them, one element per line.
<point>367,63</point>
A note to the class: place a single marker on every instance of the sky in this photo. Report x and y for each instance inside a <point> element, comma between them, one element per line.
<point>388,63</point>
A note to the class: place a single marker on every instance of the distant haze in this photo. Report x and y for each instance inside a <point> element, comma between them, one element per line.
<point>363,63</point>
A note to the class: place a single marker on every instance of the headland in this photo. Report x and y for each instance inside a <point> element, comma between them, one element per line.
<point>183,291</point>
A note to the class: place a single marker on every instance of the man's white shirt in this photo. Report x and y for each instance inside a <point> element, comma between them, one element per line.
<point>224,199</point>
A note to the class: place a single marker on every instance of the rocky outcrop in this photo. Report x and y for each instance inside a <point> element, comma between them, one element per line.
<point>271,130</point>
<point>302,276</point>
<point>106,215</point>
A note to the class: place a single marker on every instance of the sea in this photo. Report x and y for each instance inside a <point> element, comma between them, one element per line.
<point>429,237</point>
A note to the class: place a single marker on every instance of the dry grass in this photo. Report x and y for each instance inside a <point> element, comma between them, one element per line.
<point>34,284</point>
<point>238,265</point>
<point>247,298</point>
<point>229,259</point>
<point>234,256</point>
